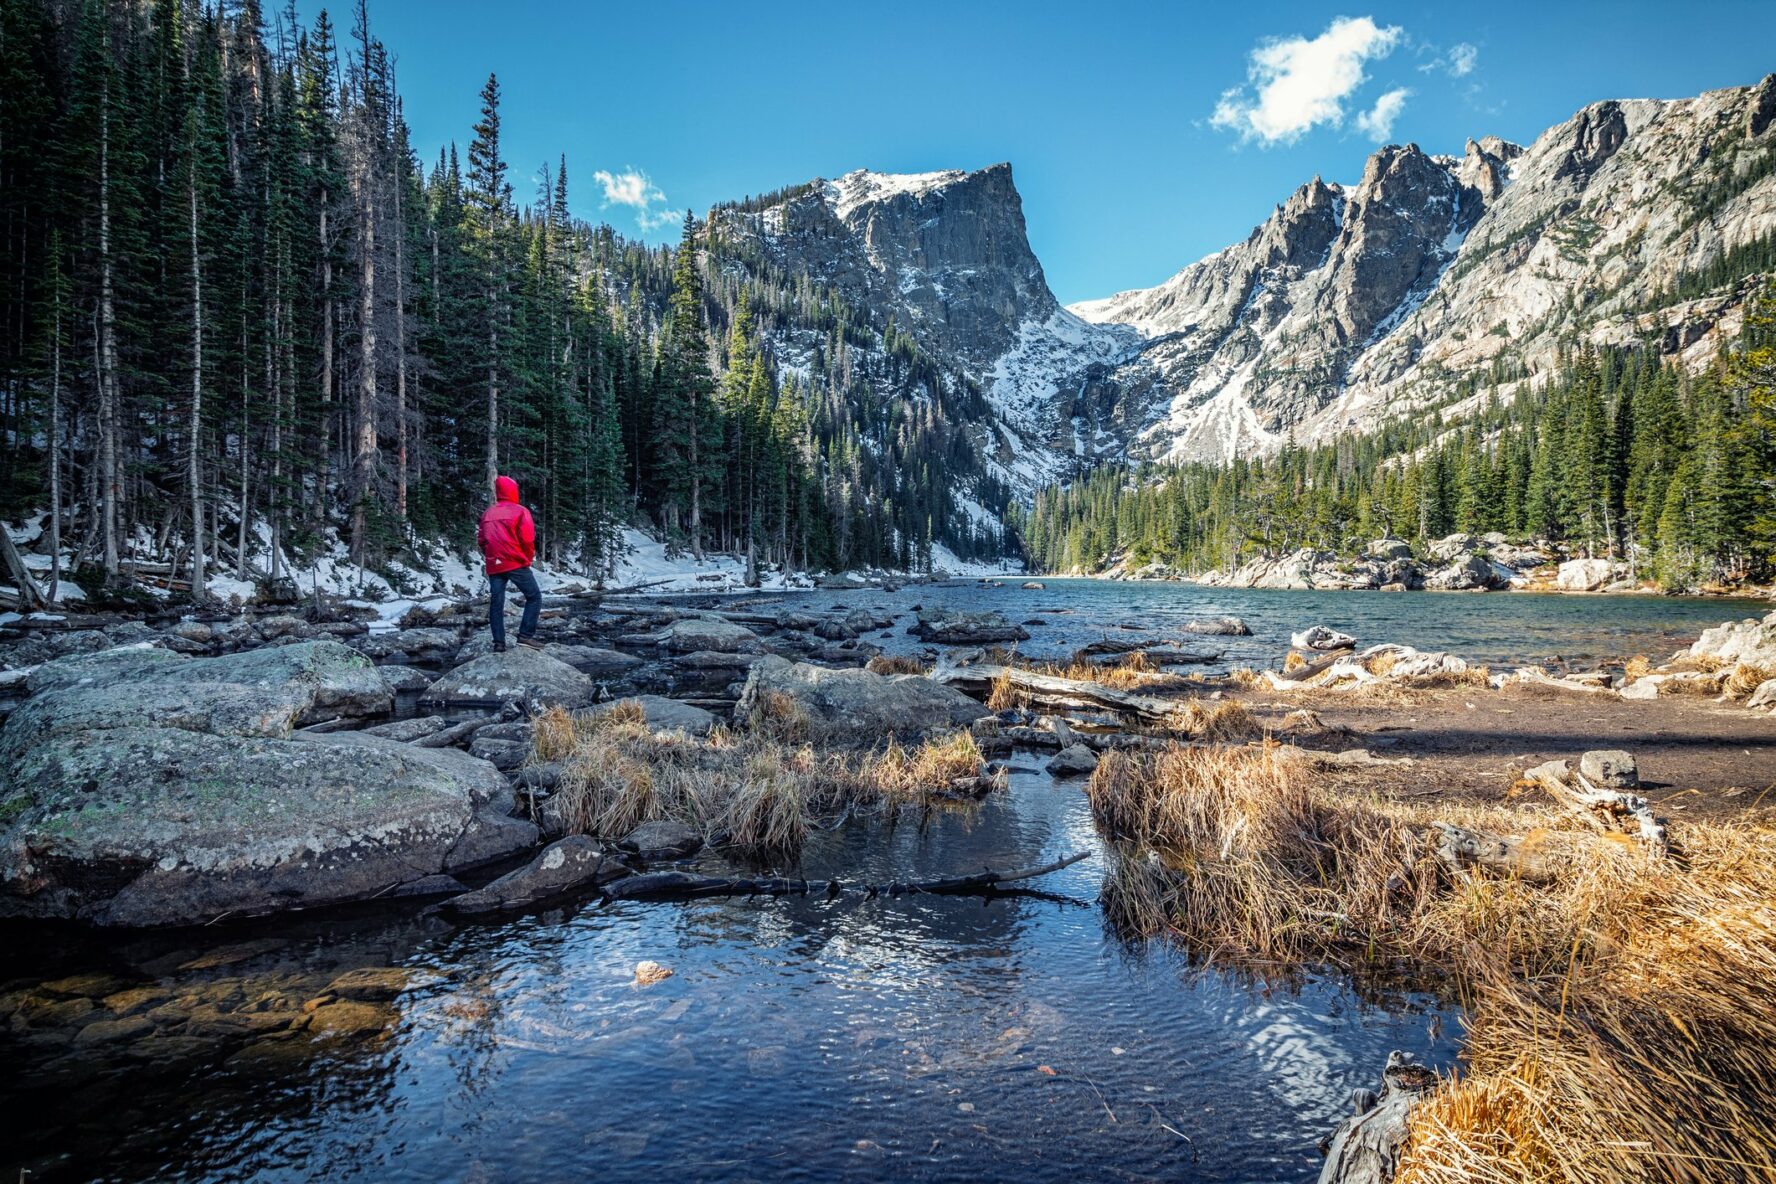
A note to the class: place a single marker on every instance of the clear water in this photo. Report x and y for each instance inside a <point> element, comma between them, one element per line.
<point>919,1038</point>
<point>927,1038</point>
<point>1494,627</point>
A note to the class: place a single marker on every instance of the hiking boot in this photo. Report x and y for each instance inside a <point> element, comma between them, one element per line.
<point>530,643</point>
<point>499,647</point>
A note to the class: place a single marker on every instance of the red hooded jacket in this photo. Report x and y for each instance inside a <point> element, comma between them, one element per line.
<point>507,536</point>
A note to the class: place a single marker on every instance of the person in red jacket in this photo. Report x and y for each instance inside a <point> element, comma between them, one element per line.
<point>508,544</point>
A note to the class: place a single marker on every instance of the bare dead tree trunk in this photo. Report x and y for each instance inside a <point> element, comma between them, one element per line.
<point>194,465</point>
<point>55,441</point>
<point>400,354</point>
<point>364,440</point>
<point>493,379</point>
<point>110,397</point>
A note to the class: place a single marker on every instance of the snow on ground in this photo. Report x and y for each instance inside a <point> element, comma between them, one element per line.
<point>945,562</point>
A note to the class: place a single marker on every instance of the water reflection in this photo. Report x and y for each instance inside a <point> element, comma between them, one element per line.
<point>798,1038</point>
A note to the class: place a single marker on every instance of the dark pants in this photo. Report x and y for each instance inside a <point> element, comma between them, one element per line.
<point>526,582</point>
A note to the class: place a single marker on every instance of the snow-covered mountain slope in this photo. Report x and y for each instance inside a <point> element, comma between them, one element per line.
<point>1347,306</point>
<point>1352,305</point>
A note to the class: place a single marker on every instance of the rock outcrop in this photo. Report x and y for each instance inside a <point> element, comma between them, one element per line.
<point>142,788</point>
<point>520,675</point>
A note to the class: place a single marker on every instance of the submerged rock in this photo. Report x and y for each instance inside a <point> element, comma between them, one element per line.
<point>857,706</point>
<point>662,840</point>
<point>951,627</point>
<point>561,867</point>
<point>1219,626</point>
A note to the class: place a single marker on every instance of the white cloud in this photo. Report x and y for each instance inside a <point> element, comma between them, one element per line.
<point>632,188</point>
<point>1302,83</point>
<point>1378,122</point>
<point>1459,62</point>
<point>628,188</point>
<point>657,219</point>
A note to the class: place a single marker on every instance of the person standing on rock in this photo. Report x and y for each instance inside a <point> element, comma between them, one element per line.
<point>508,545</point>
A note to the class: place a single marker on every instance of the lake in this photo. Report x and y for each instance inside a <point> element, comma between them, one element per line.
<point>924,1038</point>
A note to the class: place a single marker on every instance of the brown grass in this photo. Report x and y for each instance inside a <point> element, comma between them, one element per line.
<point>1224,721</point>
<point>763,786</point>
<point>1621,1027</point>
<point>1004,696</point>
<point>1744,679</point>
<point>1639,666</point>
<point>1704,687</point>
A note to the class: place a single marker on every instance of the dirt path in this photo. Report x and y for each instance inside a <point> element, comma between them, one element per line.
<point>1698,758</point>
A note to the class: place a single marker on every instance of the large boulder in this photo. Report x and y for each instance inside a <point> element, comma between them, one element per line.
<point>951,627</point>
<point>1751,641</point>
<point>853,706</point>
<point>1219,626</point>
<point>1451,548</point>
<point>520,675</point>
<point>157,790</point>
<point>1584,575</point>
<point>1388,548</point>
<point>425,644</point>
<point>1467,572</point>
<point>1321,637</point>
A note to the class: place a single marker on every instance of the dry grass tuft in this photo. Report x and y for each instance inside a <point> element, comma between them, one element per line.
<point>1004,696</point>
<point>778,717</point>
<point>1226,721</point>
<point>1639,666</point>
<point>1706,686</point>
<point>1293,661</point>
<point>1620,1027</point>
<point>886,664</point>
<point>924,772</point>
<point>1744,679</point>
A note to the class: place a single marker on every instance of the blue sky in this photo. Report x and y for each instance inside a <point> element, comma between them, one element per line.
<point>1132,156</point>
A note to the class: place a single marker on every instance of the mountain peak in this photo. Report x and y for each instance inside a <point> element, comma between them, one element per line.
<point>865,187</point>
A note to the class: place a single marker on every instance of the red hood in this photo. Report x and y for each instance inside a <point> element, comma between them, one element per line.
<point>505,489</point>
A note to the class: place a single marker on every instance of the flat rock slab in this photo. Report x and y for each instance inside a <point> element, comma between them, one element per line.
<point>948,627</point>
<point>158,825</point>
<point>690,634</point>
<point>520,675</point>
<point>855,706</point>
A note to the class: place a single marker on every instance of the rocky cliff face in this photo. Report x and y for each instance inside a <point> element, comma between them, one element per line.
<point>1352,305</point>
<point>1349,305</point>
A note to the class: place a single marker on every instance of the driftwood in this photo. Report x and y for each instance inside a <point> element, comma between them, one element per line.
<point>1049,691</point>
<point>459,733</point>
<point>1459,847</point>
<point>1324,662</point>
<point>1366,1147</point>
<point>686,886</point>
<point>1607,809</point>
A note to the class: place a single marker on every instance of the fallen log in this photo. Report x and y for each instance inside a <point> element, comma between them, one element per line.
<point>1309,669</point>
<point>1366,1147</point>
<point>1607,809</point>
<point>673,885</point>
<point>1050,691</point>
<point>457,733</point>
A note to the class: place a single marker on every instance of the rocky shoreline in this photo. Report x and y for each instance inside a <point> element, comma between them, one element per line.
<point>1456,563</point>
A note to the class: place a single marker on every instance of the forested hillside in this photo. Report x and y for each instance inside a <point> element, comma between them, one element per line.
<point>1618,454</point>
<point>243,319</point>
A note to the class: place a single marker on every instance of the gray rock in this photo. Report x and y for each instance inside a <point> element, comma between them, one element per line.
<point>1219,626</point>
<point>662,840</point>
<point>1452,547</point>
<point>1389,548</point>
<point>1468,572</point>
<point>690,634</point>
<point>841,580</point>
<point>1751,641</point>
<point>561,867</point>
<point>405,678</point>
<point>149,824</point>
<point>951,627</point>
<point>1585,575</point>
<point>1611,768</point>
<point>1764,695</point>
<point>715,660</point>
<point>1075,758</point>
<point>666,715</point>
<point>857,706</point>
<point>521,674</point>
<point>504,755</point>
<point>426,644</point>
<point>406,731</point>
